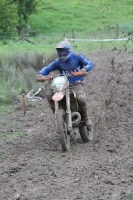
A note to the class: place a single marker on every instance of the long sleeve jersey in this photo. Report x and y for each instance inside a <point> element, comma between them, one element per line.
<point>74,63</point>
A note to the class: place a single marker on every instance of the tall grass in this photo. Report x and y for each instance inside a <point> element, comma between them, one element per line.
<point>18,72</point>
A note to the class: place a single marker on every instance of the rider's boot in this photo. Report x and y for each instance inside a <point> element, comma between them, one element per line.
<point>88,123</point>
<point>84,113</point>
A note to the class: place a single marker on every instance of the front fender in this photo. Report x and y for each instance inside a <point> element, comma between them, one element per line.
<point>58,96</point>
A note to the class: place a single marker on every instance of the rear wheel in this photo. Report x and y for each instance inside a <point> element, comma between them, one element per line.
<point>85,134</point>
<point>62,131</point>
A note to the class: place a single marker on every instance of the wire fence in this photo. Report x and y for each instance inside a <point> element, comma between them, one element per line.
<point>109,34</point>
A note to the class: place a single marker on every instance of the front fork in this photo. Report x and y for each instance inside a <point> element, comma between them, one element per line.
<point>68,111</point>
<point>56,113</point>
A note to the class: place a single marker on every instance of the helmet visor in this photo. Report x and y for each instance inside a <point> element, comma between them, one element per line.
<point>62,52</point>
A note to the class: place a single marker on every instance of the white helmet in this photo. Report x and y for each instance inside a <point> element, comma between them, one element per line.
<point>64,50</point>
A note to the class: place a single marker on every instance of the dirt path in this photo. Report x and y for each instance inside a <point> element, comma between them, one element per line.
<point>32,166</point>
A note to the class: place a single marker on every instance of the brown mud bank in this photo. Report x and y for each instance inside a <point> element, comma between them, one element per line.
<point>32,166</point>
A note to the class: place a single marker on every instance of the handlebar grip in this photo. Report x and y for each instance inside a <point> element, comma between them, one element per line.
<point>43,78</point>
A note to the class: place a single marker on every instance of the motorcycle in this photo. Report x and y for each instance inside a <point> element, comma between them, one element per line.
<point>68,119</point>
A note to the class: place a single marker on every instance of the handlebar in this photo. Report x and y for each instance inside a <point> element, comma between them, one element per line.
<point>41,78</point>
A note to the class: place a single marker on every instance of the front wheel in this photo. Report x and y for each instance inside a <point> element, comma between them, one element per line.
<point>85,134</point>
<point>62,131</point>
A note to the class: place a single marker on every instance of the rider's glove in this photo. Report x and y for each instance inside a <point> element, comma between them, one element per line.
<point>82,72</point>
<point>41,78</point>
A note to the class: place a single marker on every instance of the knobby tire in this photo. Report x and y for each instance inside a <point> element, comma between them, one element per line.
<point>64,137</point>
<point>86,135</point>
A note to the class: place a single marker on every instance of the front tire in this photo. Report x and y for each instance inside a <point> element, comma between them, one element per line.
<point>85,134</point>
<point>62,131</point>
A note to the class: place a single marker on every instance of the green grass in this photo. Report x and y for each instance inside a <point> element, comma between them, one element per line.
<point>85,19</point>
<point>63,16</point>
<point>4,109</point>
<point>47,47</point>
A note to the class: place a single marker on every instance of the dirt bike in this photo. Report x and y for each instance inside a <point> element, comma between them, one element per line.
<point>68,118</point>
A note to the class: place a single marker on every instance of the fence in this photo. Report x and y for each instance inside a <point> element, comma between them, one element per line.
<point>107,35</point>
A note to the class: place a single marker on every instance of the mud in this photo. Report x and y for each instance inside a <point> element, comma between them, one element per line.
<point>32,166</point>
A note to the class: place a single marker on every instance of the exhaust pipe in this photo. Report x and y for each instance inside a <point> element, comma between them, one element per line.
<point>76,118</point>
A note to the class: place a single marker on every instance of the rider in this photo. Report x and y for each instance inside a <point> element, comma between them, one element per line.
<point>76,64</point>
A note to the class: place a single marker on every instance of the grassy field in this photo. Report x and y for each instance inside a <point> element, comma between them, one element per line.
<point>54,20</point>
<point>83,16</point>
<point>84,19</point>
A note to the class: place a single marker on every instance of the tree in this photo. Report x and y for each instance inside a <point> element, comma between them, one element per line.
<point>25,8</point>
<point>8,16</point>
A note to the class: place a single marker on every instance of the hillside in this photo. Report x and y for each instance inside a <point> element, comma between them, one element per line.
<point>54,17</point>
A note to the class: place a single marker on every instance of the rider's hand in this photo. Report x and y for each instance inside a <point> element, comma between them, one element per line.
<point>82,72</point>
<point>41,78</point>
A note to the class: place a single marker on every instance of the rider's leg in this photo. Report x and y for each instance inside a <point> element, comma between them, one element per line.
<point>81,98</point>
<point>49,94</point>
<point>84,112</point>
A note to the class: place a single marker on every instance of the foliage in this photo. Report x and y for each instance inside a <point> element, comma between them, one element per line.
<point>8,16</point>
<point>13,12</point>
<point>25,8</point>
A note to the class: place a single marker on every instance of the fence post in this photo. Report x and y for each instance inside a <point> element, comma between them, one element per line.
<point>73,35</point>
<point>101,45</point>
<point>117,30</point>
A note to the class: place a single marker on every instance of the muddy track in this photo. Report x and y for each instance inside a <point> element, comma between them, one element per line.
<point>32,166</point>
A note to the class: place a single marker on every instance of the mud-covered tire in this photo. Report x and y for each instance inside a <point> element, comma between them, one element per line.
<point>86,135</point>
<point>62,131</point>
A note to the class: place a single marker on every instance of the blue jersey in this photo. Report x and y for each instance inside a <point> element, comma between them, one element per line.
<point>74,63</point>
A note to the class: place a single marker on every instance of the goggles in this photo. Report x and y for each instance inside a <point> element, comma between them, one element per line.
<point>62,52</point>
